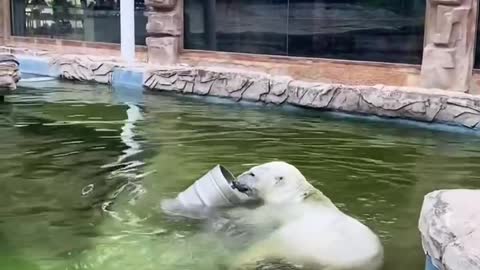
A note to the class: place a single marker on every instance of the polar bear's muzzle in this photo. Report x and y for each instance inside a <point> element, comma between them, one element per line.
<point>240,187</point>
<point>245,183</point>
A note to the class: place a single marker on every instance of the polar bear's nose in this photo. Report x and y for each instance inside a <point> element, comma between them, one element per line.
<point>240,187</point>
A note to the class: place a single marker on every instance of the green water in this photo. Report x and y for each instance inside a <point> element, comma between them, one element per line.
<point>81,185</point>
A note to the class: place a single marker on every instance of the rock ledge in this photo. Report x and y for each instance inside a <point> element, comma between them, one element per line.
<point>9,73</point>
<point>450,228</point>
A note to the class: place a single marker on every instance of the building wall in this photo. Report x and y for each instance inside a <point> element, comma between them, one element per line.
<point>351,42</point>
<point>310,69</point>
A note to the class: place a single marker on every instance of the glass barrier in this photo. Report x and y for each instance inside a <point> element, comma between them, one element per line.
<point>86,20</point>
<point>249,26</point>
<point>371,30</point>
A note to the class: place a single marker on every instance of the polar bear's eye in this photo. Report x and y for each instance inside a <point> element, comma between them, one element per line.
<point>252,174</point>
<point>279,178</point>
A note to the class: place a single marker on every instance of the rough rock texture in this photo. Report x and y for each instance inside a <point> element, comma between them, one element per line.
<point>9,72</point>
<point>450,35</point>
<point>162,51</point>
<point>161,4</point>
<point>411,103</point>
<point>165,26</point>
<point>168,23</point>
<point>450,228</point>
<point>84,68</point>
<point>427,105</point>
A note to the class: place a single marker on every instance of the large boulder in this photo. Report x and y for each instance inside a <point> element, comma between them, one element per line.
<point>450,228</point>
<point>9,72</point>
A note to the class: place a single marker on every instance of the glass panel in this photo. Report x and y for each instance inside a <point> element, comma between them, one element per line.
<point>102,21</point>
<point>371,30</point>
<point>88,20</point>
<point>140,22</point>
<point>247,26</point>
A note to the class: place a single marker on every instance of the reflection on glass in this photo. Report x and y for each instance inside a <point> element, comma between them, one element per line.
<point>371,30</point>
<point>87,20</point>
<point>250,26</point>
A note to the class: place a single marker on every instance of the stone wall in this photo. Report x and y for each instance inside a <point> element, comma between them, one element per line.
<point>9,73</point>
<point>316,70</point>
<point>165,28</point>
<point>447,61</point>
<point>450,35</point>
<point>426,105</point>
<point>84,68</point>
<point>450,229</point>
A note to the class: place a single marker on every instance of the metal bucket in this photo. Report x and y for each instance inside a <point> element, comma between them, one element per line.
<point>212,190</point>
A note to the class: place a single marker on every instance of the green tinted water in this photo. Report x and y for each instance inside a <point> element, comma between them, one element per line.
<point>82,174</point>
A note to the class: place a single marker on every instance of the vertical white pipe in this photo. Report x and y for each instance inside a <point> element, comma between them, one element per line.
<point>127,30</point>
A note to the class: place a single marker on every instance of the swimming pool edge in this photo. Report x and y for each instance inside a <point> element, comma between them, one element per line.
<point>83,68</point>
<point>417,104</point>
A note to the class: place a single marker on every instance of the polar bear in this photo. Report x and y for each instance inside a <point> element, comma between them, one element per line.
<point>308,230</point>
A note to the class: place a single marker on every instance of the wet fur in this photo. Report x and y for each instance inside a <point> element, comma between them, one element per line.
<point>292,208</point>
<point>257,228</point>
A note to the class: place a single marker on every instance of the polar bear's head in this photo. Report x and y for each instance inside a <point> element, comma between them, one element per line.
<point>274,182</point>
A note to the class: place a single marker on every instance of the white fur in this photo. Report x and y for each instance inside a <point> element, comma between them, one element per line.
<point>311,231</point>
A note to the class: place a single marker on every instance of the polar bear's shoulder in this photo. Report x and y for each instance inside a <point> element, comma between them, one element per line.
<point>326,236</point>
<point>315,196</point>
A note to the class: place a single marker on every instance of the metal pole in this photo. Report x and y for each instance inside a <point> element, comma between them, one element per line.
<point>127,30</point>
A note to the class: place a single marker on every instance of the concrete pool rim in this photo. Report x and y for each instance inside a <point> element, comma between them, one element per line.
<point>418,104</point>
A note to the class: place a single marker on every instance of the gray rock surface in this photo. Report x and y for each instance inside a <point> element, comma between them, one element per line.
<point>84,68</point>
<point>163,50</point>
<point>167,23</point>
<point>9,72</point>
<point>165,27</point>
<point>427,105</point>
<point>450,229</point>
